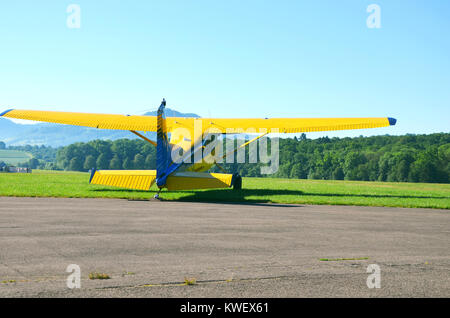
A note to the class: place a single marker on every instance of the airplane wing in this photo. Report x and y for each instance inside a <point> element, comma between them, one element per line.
<point>288,125</point>
<point>224,125</point>
<point>102,121</point>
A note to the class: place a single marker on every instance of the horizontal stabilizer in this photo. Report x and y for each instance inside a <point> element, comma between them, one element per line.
<point>198,180</point>
<point>130,179</point>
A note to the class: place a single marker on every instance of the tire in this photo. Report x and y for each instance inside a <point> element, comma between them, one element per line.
<point>237,184</point>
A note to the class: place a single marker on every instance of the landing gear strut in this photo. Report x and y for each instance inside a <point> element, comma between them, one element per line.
<point>156,196</point>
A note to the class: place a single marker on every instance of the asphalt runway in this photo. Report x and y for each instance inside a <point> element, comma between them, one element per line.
<point>231,250</point>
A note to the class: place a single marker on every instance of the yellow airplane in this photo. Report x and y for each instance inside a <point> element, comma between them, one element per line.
<point>187,141</point>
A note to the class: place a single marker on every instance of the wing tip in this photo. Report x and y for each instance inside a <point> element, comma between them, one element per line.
<point>5,112</point>
<point>392,121</point>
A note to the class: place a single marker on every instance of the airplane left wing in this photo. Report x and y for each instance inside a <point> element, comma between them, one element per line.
<point>102,121</point>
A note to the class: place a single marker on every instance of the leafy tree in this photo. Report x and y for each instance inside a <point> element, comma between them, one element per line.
<point>102,161</point>
<point>49,166</point>
<point>103,147</point>
<point>33,163</point>
<point>150,162</point>
<point>127,164</point>
<point>338,174</point>
<point>89,163</point>
<point>123,148</point>
<point>116,163</point>
<point>75,164</point>
<point>139,161</point>
<point>427,168</point>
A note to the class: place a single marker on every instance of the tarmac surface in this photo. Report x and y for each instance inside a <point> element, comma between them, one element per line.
<point>149,248</point>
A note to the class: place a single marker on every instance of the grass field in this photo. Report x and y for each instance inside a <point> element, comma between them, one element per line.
<point>14,157</point>
<point>255,190</point>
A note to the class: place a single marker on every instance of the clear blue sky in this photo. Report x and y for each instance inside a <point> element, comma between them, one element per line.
<point>232,59</point>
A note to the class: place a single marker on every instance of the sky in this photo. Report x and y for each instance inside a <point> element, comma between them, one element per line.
<point>232,59</point>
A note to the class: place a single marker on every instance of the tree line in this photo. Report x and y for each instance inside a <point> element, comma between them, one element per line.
<point>100,154</point>
<point>408,158</point>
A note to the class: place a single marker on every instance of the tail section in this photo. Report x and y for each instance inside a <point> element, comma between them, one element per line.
<point>163,159</point>
<point>144,179</point>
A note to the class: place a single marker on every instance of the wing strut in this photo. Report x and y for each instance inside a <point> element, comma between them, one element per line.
<point>143,137</point>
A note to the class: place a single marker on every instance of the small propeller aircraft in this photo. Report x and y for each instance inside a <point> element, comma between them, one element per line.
<point>188,171</point>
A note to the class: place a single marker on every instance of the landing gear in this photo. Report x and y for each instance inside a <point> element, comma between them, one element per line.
<point>156,196</point>
<point>237,182</point>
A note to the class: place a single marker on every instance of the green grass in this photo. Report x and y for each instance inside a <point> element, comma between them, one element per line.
<point>255,190</point>
<point>96,275</point>
<point>14,157</point>
<point>190,281</point>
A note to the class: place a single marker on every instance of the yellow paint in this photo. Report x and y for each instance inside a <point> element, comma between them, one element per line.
<point>130,179</point>
<point>103,121</point>
<point>198,180</point>
<point>224,125</point>
<point>278,125</point>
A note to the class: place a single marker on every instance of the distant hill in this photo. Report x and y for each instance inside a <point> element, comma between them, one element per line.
<point>14,157</point>
<point>56,135</point>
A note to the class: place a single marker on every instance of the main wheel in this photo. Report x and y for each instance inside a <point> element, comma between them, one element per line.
<point>237,183</point>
